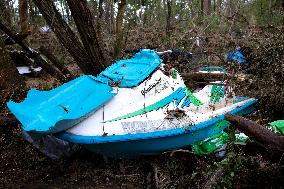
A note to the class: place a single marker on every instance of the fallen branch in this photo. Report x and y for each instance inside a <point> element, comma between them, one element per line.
<point>257,132</point>
<point>38,59</point>
<point>17,40</point>
<point>20,58</point>
<point>172,153</point>
<point>18,36</point>
<point>47,52</point>
<point>49,68</point>
<point>203,76</point>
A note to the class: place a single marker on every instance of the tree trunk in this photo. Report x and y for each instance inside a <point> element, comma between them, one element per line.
<point>62,10</point>
<point>69,19</point>
<point>169,17</point>
<point>88,57</point>
<point>86,28</point>
<point>206,7</point>
<point>119,28</point>
<point>23,10</point>
<point>109,16</point>
<point>10,80</point>
<point>32,12</point>
<point>100,19</point>
<point>218,7</point>
<point>231,8</point>
<point>5,13</point>
<point>9,76</point>
<point>202,7</point>
<point>112,21</point>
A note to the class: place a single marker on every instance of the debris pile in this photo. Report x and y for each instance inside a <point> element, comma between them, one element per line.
<point>265,79</point>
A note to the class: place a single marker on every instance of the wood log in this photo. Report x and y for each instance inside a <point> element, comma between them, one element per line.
<point>257,132</point>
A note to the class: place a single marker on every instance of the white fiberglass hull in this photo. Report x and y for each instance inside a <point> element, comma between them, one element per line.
<point>152,106</point>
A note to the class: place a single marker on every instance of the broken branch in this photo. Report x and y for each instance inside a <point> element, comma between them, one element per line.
<point>47,52</point>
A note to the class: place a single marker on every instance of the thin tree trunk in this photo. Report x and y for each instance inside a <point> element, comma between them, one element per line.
<point>23,10</point>
<point>100,19</point>
<point>206,7</point>
<point>111,23</point>
<point>69,19</point>
<point>218,7</point>
<point>31,12</point>
<point>5,13</point>
<point>169,17</point>
<point>231,8</point>
<point>109,15</point>
<point>62,10</point>
<point>202,7</point>
<point>119,28</point>
<point>87,63</point>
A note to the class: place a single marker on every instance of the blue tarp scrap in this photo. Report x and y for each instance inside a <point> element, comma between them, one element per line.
<point>236,56</point>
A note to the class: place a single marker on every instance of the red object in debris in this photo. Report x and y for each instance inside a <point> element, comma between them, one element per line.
<point>197,69</point>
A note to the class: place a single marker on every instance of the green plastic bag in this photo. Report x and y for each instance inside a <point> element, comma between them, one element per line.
<point>211,144</point>
<point>278,126</point>
<point>217,142</point>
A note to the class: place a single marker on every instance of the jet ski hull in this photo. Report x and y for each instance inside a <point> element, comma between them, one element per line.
<point>131,145</point>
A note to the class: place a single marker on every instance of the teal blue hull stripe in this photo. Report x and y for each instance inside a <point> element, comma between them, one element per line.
<point>176,96</point>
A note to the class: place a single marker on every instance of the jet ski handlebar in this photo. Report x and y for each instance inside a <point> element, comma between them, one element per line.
<point>173,53</point>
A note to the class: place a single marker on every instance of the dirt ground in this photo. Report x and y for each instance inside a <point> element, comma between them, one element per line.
<point>22,166</point>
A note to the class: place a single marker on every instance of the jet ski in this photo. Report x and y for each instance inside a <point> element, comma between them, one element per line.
<point>143,110</point>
